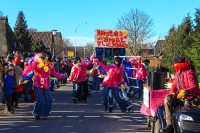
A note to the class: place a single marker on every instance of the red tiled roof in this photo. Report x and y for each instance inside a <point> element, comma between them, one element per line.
<point>45,37</point>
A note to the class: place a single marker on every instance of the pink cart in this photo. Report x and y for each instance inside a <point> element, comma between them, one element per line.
<point>152,99</point>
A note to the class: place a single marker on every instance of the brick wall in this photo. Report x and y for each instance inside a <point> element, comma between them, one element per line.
<point>7,38</point>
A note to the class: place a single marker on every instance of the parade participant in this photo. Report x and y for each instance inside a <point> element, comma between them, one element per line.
<point>141,76</point>
<point>28,82</point>
<point>96,78</point>
<point>185,82</point>
<point>133,64</point>
<point>79,76</point>
<point>8,88</point>
<point>112,81</point>
<point>42,68</point>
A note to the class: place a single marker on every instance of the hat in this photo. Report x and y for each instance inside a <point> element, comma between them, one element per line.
<point>16,60</point>
<point>9,70</point>
<point>146,61</point>
<point>179,59</point>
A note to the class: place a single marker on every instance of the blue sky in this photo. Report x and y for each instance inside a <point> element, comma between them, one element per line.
<point>65,15</point>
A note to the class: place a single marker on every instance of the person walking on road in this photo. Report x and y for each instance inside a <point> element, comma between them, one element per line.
<point>112,81</point>
<point>79,76</point>
<point>42,68</point>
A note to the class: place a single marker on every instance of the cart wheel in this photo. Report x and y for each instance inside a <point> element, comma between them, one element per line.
<point>157,126</point>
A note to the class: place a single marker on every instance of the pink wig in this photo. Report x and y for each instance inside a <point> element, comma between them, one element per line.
<point>37,56</point>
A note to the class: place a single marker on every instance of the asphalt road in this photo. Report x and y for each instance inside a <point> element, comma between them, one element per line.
<point>67,117</point>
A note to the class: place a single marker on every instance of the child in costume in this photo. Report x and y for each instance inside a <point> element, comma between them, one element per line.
<point>8,88</point>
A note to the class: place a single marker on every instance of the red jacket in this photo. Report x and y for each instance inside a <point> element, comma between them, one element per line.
<point>142,73</point>
<point>41,77</point>
<point>186,80</point>
<point>78,73</point>
<point>114,77</point>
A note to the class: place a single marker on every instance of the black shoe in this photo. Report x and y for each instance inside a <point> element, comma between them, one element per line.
<point>110,109</point>
<point>37,117</point>
<point>75,100</point>
<point>168,129</point>
<point>27,101</point>
<point>10,111</point>
<point>46,117</point>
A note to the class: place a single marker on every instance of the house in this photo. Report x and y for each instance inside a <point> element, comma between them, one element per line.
<point>8,43</point>
<point>53,43</point>
<point>154,55</point>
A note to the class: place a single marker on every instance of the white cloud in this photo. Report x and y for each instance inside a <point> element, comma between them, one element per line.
<point>81,41</point>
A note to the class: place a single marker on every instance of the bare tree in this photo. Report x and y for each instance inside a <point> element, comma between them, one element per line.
<point>59,47</point>
<point>68,44</point>
<point>89,49</point>
<point>140,27</point>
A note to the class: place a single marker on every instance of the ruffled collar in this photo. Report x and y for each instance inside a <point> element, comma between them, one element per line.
<point>43,64</point>
<point>180,66</point>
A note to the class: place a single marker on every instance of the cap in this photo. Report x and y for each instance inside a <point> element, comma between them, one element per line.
<point>179,59</point>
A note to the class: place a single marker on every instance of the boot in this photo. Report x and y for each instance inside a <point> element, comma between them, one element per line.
<point>37,118</point>
<point>75,100</point>
<point>168,129</point>
<point>10,110</point>
<point>110,109</point>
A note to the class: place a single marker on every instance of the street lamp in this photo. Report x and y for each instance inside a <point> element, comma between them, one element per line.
<point>75,35</point>
<point>84,52</point>
<point>54,34</point>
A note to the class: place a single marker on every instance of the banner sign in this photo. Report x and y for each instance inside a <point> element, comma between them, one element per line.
<point>70,53</point>
<point>111,38</point>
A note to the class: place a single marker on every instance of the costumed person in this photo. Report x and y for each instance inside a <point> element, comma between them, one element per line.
<point>141,76</point>
<point>53,79</point>
<point>42,68</point>
<point>79,76</point>
<point>185,82</point>
<point>112,81</point>
<point>28,81</point>
<point>63,68</point>
<point>131,69</point>
<point>18,72</point>
<point>96,78</point>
